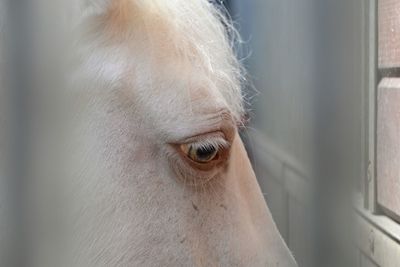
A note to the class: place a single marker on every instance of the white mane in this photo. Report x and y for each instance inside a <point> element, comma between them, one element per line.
<point>195,30</point>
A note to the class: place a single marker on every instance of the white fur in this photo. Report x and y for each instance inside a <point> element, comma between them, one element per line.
<point>141,83</point>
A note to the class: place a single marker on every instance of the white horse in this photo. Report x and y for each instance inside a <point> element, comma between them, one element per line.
<point>161,176</point>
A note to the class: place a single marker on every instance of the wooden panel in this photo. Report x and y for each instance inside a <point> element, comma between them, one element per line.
<point>389,33</point>
<point>277,202</point>
<point>388,144</point>
<point>269,163</point>
<point>299,235</point>
<point>366,262</point>
<point>297,186</point>
<point>376,245</point>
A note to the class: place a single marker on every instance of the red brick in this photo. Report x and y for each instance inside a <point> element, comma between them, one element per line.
<point>388,144</point>
<point>389,33</point>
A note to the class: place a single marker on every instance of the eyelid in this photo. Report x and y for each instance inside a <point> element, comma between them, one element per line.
<point>217,138</point>
<point>189,150</point>
<point>217,142</point>
<point>221,122</point>
<point>214,138</point>
<point>194,173</point>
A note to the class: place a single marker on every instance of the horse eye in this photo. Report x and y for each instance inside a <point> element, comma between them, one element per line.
<point>200,154</point>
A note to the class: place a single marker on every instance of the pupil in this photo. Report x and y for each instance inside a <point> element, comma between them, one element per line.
<point>205,152</point>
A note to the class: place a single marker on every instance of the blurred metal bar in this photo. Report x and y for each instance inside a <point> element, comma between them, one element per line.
<point>19,29</point>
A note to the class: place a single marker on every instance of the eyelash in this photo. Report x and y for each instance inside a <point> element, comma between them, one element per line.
<point>194,173</point>
<point>218,143</point>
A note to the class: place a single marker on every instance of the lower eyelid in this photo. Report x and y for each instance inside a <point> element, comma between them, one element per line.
<point>192,175</point>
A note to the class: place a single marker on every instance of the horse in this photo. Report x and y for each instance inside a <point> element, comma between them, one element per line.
<point>159,175</point>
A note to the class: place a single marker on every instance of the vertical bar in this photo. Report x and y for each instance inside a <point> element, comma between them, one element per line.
<point>18,54</point>
<point>371,181</point>
<point>361,184</point>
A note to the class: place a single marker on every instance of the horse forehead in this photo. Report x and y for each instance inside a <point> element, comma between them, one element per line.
<point>159,65</point>
<point>175,88</point>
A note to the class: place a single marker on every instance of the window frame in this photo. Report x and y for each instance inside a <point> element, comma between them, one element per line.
<point>369,183</point>
<point>372,77</point>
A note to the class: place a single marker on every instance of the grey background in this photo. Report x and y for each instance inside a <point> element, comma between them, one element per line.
<point>306,59</point>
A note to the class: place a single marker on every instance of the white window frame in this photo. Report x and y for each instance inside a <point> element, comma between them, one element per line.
<point>377,235</point>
